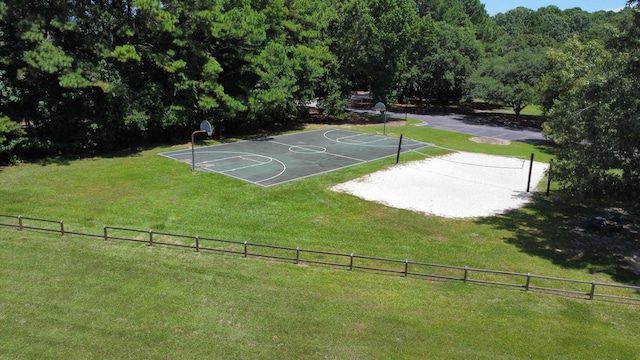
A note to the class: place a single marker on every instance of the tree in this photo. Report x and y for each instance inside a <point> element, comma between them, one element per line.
<point>453,59</point>
<point>545,27</point>
<point>418,77</point>
<point>592,114</point>
<point>7,92</point>
<point>371,39</point>
<point>510,80</point>
<point>93,75</point>
<point>552,23</point>
<point>350,34</point>
<point>296,65</point>
<point>447,41</point>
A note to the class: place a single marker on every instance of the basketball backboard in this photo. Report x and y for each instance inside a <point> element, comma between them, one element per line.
<point>379,107</point>
<point>206,126</point>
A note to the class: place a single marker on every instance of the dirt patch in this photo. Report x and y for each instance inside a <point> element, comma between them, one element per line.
<point>390,123</point>
<point>488,140</point>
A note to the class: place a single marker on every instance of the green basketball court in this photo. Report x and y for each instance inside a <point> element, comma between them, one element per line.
<point>279,159</point>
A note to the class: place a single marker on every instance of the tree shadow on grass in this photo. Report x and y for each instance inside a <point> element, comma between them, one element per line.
<point>571,236</point>
<point>54,160</point>
<point>62,160</point>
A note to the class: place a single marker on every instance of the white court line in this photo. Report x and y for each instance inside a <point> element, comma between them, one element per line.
<point>406,145</point>
<point>257,163</point>
<point>361,143</point>
<point>348,140</point>
<point>242,156</point>
<point>326,152</point>
<point>284,168</point>
<point>235,157</point>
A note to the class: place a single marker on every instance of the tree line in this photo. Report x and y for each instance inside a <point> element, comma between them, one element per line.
<point>82,76</point>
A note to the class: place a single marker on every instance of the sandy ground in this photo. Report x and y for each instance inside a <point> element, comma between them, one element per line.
<point>458,185</point>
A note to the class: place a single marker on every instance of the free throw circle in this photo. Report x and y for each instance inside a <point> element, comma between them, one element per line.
<point>307,149</point>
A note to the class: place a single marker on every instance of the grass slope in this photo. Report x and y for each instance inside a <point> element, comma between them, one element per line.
<point>79,298</point>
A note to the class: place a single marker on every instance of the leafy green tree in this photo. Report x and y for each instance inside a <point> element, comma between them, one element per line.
<point>510,80</point>
<point>370,39</point>
<point>515,22</point>
<point>32,62</point>
<point>296,66</point>
<point>198,52</point>
<point>97,74</point>
<point>544,27</point>
<point>8,93</point>
<point>448,41</point>
<point>450,64</point>
<point>386,55</point>
<point>553,24</point>
<point>83,75</point>
<point>418,76</point>
<point>349,34</point>
<point>579,21</point>
<point>8,127</point>
<point>592,115</point>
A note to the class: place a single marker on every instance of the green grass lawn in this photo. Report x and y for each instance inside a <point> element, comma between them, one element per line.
<point>71,297</point>
<point>78,298</point>
<point>530,110</point>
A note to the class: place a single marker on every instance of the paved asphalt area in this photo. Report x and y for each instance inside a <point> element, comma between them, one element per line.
<point>468,124</point>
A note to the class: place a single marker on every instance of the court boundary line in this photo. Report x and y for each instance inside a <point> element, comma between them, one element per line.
<point>325,152</point>
<point>271,139</point>
<point>229,171</point>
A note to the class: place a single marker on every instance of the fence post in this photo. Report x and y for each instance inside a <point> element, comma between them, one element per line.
<point>466,273</point>
<point>593,290</point>
<point>20,222</point>
<point>245,249</point>
<point>530,171</point>
<point>297,255</point>
<point>150,237</point>
<point>526,286</point>
<point>399,149</point>
<point>406,267</point>
<point>61,228</point>
<point>351,262</point>
<point>105,233</point>
<point>549,176</point>
<point>197,243</point>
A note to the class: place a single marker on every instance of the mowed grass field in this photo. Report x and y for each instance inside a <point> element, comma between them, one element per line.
<point>75,297</point>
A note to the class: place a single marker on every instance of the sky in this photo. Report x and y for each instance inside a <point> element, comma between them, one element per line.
<point>500,6</point>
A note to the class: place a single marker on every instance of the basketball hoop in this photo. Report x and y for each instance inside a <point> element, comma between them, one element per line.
<point>380,107</point>
<point>205,126</point>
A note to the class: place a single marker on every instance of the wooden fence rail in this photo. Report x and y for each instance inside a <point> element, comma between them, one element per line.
<point>351,261</point>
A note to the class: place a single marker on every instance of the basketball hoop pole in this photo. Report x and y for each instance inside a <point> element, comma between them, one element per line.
<point>193,145</point>
<point>382,108</point>
<point>384,119</point>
